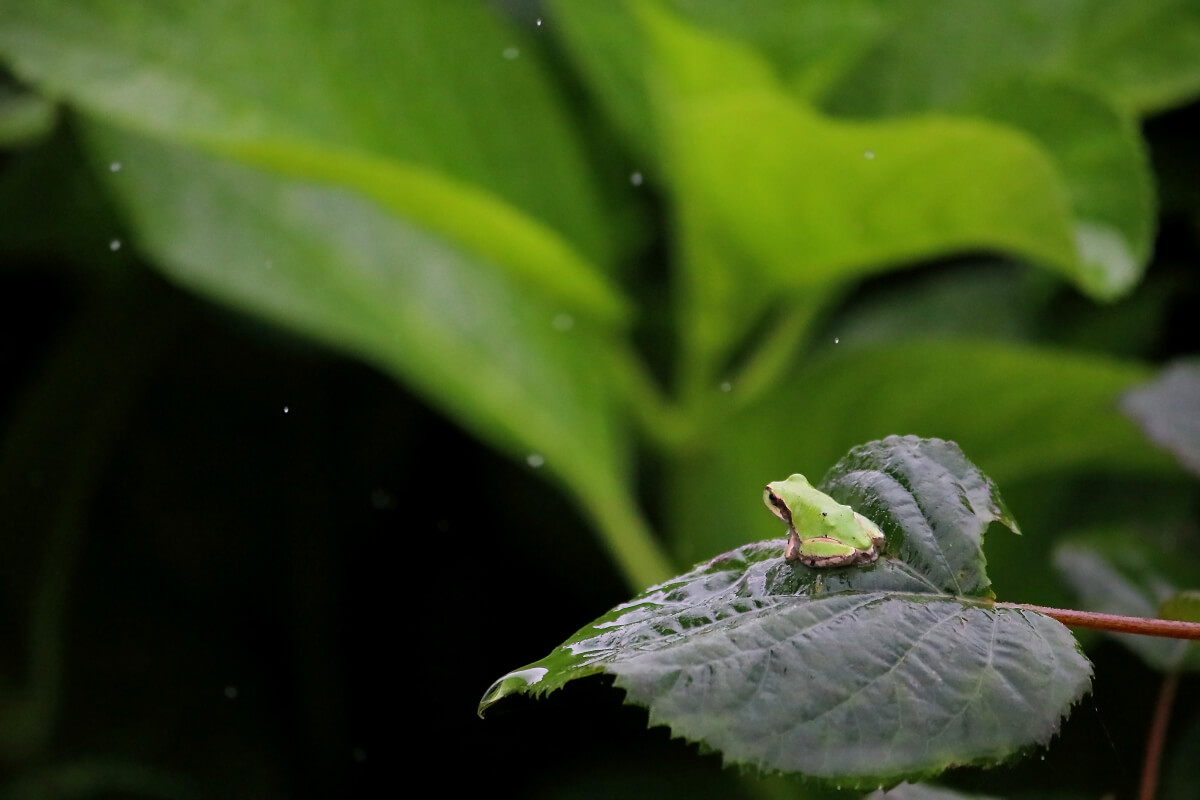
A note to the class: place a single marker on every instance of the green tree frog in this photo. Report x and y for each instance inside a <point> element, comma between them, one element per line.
<point>821,531</point>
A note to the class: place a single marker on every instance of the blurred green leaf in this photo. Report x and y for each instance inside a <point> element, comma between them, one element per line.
<point>1145,54</point>
<point>55,206</point>
<point>1100,155</point>
<point>24,117</point>
<point>971,299</point>
<point>773,196</point>
<point>1183,606</point>
<point>906,189</point>
<point>272,84</point>
<point>611,52</point>
<point>1180,781</point>
<point>1168,411</point>
<point>333,265</point>
<point>51,474</point>
<point>1023,412</point>
<point>1125,573</point>
<point>250,138</point>
<point>810,44</point>
<point>85,777</point>
<point>862,675</point>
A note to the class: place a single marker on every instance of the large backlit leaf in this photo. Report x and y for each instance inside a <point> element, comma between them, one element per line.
<point>400,181</point>
<point>905,189</point>
<point>465,137</point>
<point>860,675</point>
<point>1019,78</point>
<point>331,264</point>
<point>771,194</point>
<point>1100,155</point>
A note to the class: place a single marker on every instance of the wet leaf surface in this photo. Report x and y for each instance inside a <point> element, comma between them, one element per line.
<point>862,675</point>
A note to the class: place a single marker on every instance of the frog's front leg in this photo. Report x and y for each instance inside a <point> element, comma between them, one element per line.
<point>791,553</point>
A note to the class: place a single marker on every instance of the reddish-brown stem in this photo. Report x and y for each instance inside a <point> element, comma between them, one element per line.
<point>1158,735</point>
<point>1116,623</point>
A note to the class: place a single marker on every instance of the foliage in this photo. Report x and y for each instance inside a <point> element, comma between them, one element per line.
<point>864,675</point>
<point>660,252</point>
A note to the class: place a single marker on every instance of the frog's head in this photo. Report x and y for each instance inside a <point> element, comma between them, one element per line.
<point>774,500</point>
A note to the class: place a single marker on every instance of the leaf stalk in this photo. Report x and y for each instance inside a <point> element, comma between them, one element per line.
<point>1116,623</point>
<point>1158,736</point>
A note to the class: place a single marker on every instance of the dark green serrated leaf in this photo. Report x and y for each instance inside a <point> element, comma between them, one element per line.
<point>1168,411</point>
<point>1118,572</point>
<point>933,501</point>
<point>865,675</point>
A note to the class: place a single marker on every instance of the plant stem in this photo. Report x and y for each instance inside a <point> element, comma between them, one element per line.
<point>46,523</point>
<point>642,560</point>
<point>1158,735</point>
<point>661,421</point>
<point>778,350</point>
<point>1116,623</point>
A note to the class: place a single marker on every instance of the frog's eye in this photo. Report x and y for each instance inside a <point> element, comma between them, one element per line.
<point>776,504</point>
